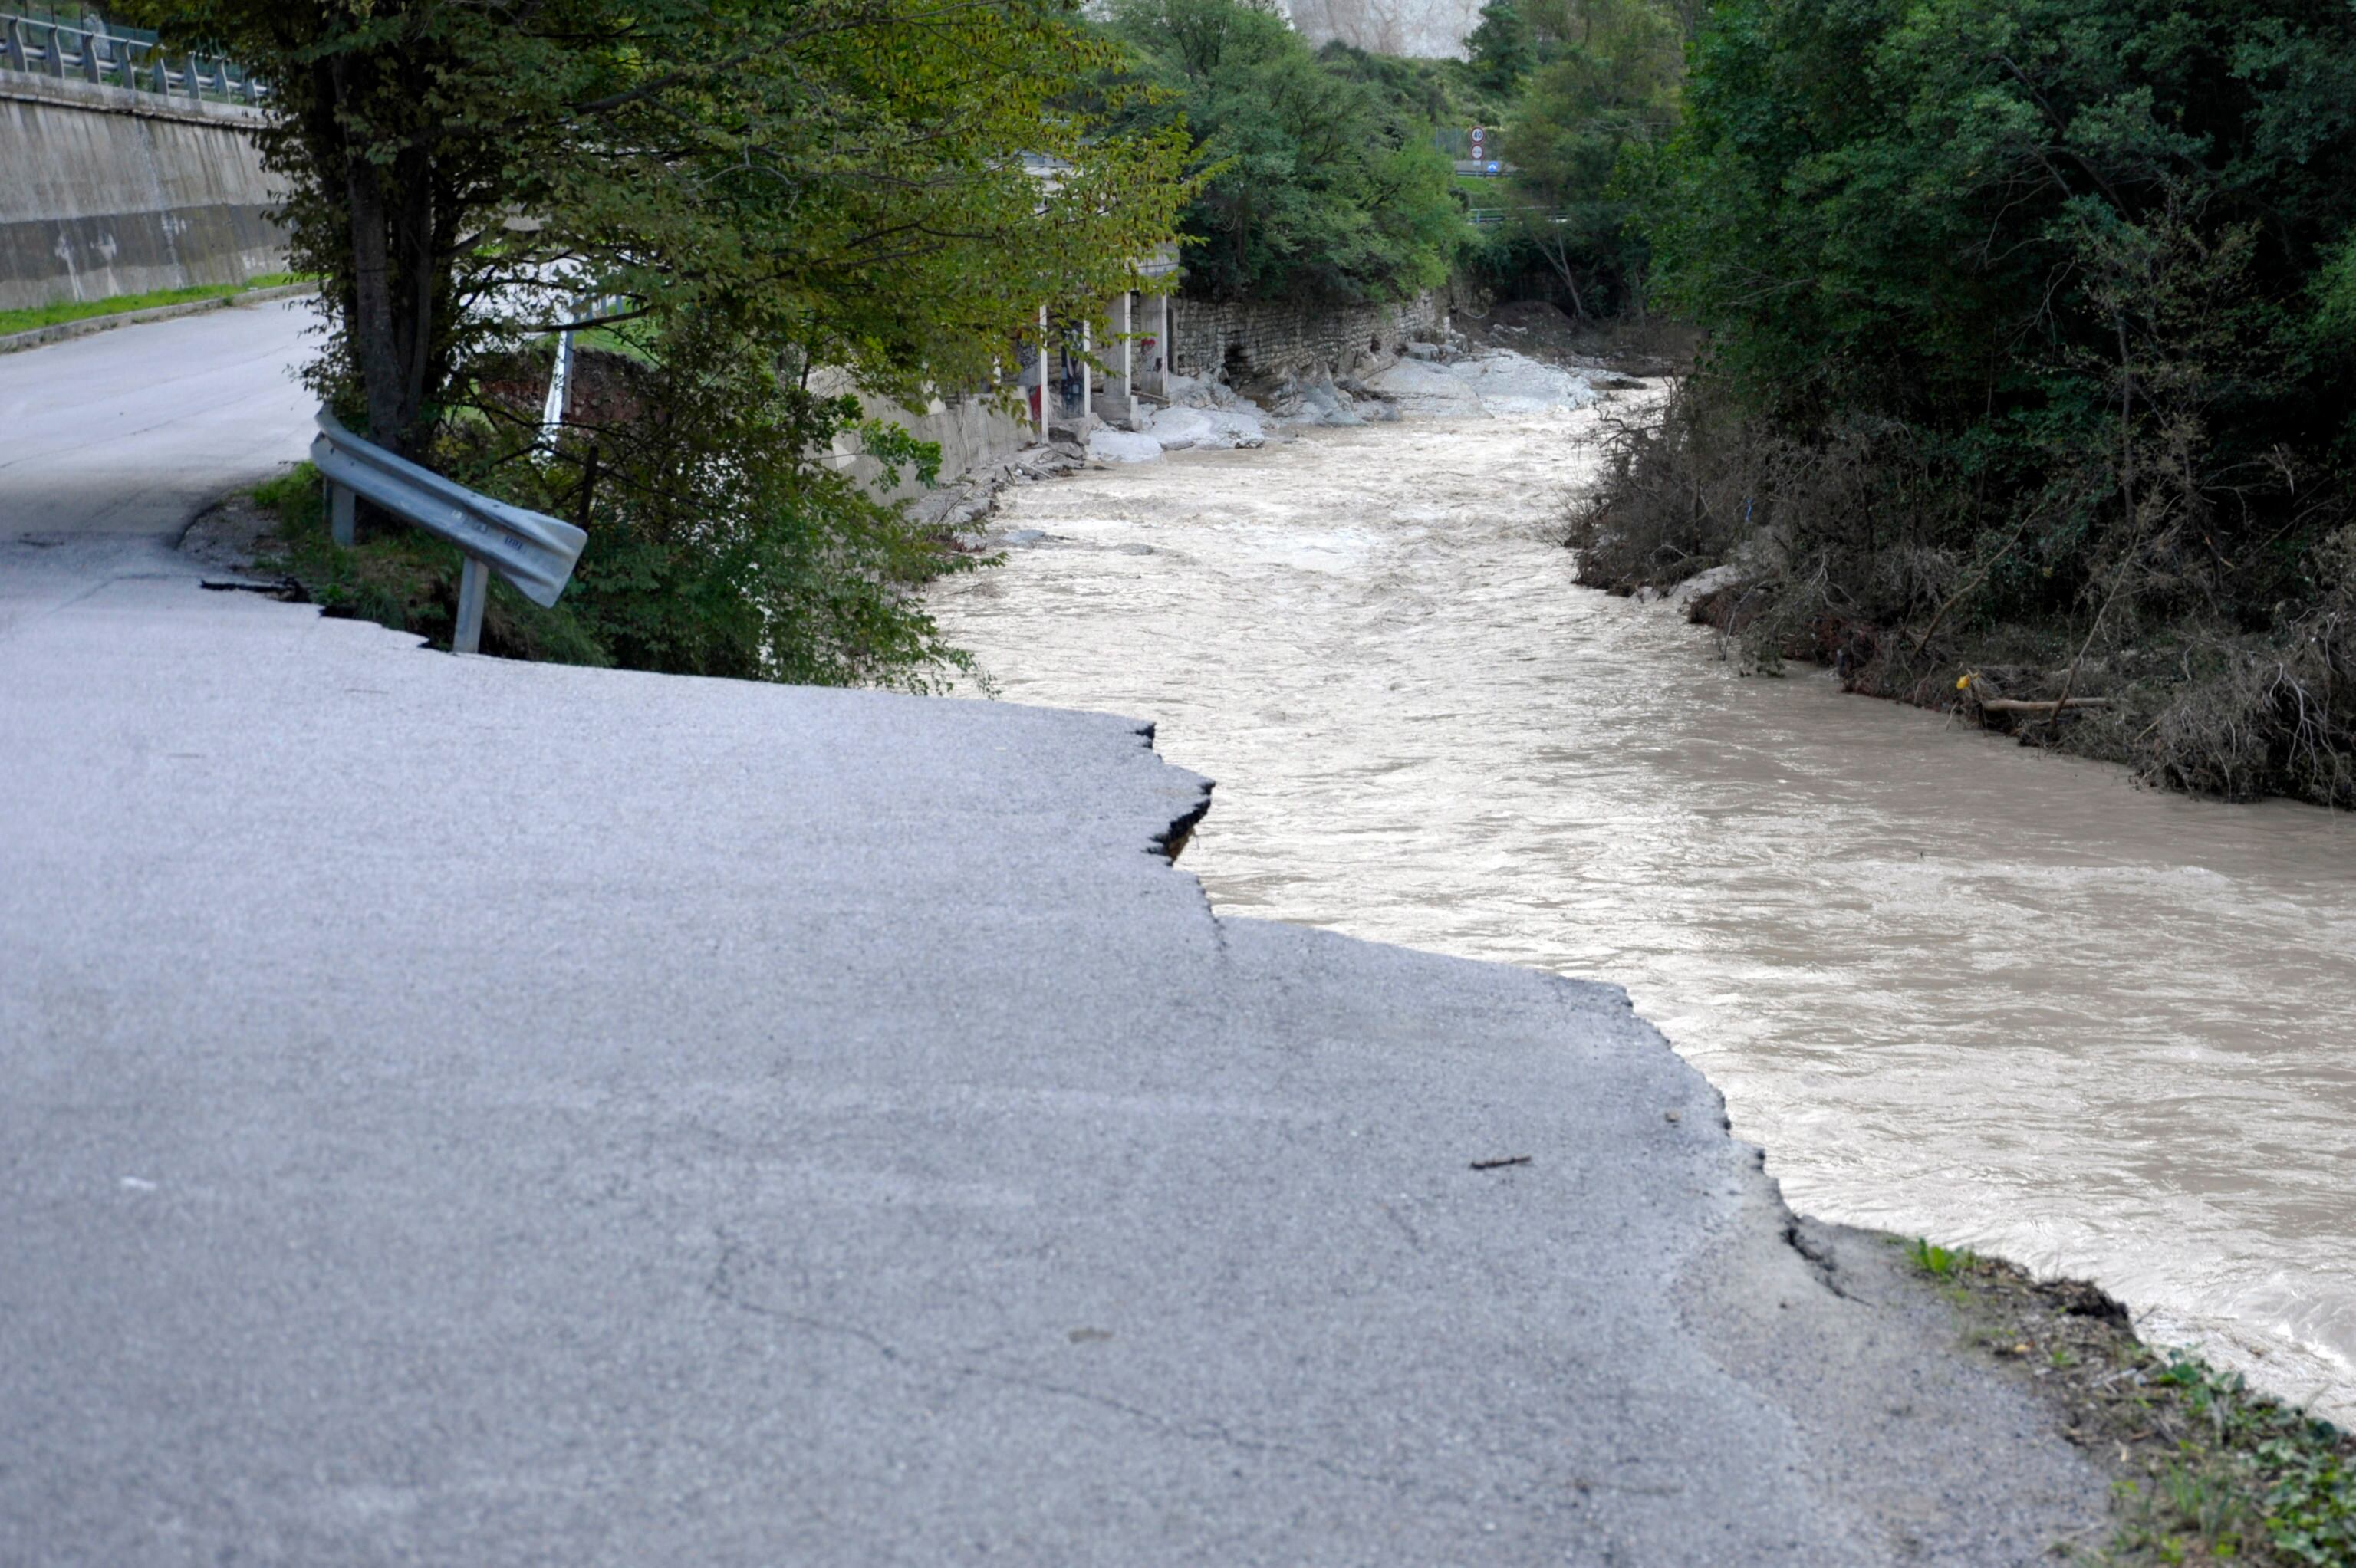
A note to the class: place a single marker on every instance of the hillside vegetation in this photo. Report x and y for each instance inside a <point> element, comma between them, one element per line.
<point>2028,373</point>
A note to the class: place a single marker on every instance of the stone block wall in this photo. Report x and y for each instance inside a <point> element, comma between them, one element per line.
<point>106,191</point>
<point>1253,340</point>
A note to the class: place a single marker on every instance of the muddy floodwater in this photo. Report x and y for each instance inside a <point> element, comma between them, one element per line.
<point>1954,987</point>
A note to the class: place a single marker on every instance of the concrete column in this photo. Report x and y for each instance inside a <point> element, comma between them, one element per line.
<point>1127,357</point>
<point>1087,377</point>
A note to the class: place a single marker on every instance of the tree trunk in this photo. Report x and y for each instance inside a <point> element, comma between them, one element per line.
<point>375,347</point>
<point>1560,254</point>
<point>414,310</point>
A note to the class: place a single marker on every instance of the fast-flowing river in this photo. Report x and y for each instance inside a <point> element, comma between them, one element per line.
<point>1956,988</point>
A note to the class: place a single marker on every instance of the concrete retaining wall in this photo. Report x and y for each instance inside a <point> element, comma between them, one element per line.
<point>105,191</point>
<point>1249,340</point>
<point>972,430</point>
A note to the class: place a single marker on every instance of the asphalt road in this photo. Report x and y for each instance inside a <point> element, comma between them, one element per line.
<point>455,1111</point>
<point>129,431</point>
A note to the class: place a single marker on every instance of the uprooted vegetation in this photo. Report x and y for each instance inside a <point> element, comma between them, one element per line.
<point>1869,553</point>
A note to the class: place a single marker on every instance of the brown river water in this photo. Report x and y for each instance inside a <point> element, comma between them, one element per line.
<point>1954,987</point>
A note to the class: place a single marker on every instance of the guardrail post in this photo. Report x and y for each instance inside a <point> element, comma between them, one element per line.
<point>341,502</point>
<point>89,56</point>
<point>474,588</point>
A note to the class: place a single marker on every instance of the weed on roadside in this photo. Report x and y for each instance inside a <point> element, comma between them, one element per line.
<point>2204,1470</point>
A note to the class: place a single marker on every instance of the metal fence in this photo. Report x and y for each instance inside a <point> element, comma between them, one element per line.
<point>117,59</point>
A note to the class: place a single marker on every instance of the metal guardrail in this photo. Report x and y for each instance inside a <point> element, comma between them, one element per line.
<point>533,552</point>
<point>52,48</point>
<point>1489,216</point>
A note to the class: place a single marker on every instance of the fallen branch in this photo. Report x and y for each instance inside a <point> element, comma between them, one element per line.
<point>1501,1164</point>
<point>2025,705</point>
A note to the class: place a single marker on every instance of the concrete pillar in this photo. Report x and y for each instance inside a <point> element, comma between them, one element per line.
<point>1088,375</point>
<point>1127,357</point>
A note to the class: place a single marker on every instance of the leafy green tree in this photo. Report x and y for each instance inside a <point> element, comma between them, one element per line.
<point>1951,211</point>
<point>743,191</point>
<point>1587,129</point>
<point>1313,190</point>
<point>1500,48</point>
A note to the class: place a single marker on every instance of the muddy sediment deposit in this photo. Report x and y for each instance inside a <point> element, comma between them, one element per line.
<point>1956,988</point>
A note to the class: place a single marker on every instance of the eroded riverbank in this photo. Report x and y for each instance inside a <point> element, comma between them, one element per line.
<point>1956,988</point>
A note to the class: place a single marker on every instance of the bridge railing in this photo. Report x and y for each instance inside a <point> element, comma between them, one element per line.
<point>55,50</point>
<point>530,550</point>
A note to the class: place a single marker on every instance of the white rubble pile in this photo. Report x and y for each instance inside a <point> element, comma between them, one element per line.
<point>1335,404</point>
<point>1437,379</point>
<point>1318,402</point>
<point>1206,392</point>
<point>1178,427</point>
<point>1110,445</point>
<point>1206,413</point>
<point>1434,380</point>
<point>1420,386</point>
<point>1510,383</point>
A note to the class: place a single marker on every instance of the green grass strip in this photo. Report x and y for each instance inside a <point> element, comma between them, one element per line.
<point>34,317</point>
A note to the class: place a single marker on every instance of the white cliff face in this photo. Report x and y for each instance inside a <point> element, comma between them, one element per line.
<point>1430,29</point>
